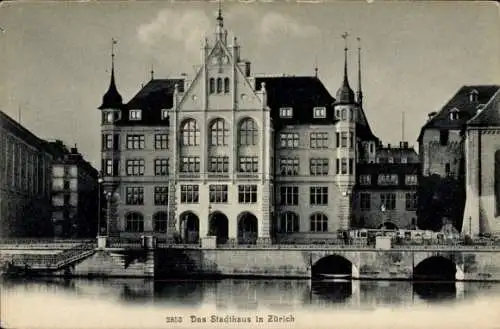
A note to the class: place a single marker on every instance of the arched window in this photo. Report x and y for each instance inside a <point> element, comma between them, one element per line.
<point>226,85</point>
<point>318,222</point>
<point>211,86</point>
<point>219,133</point>
<point>219,85</point>
<point>190,133</point>
<point>134,222</point>
<point>473,96</point>
<point>248,132</point>
<point>289,222</point>
<point>160,220</point>
<point>497,182</point>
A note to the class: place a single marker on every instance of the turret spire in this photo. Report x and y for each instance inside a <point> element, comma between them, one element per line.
<point>220,31</point>
<point>220,19</point>
<point>359,92</point>
<point>345,95</point>
<point>112,98</point>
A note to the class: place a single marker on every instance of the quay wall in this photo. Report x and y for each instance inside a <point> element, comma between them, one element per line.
<point>479,264</point>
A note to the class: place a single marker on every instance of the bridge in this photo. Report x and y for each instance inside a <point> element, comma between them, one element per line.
<point>148,258</point>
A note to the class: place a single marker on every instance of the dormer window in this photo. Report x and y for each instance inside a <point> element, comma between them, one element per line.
<point>164,114</point>
<point>319,112</point>
<point>454,114</point>
<point>110,117</point>
<point>286,112</point>
<point>135,114</point>
<point>473,96</point>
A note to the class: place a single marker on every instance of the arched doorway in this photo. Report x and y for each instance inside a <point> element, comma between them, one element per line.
<point>247,228</point>
<point>218,226</point>
<point>333,266</point>
<point>435,268</point>
<point>388,226</point>
<point>190,227</point>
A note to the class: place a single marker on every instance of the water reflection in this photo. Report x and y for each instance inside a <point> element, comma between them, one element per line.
<point>253,294</point>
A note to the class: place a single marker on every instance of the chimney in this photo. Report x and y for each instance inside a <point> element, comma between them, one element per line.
<point>431,115</point>
<point>388,146</point>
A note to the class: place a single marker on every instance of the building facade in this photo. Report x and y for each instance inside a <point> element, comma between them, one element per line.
<point>245,158</point>
<point>444,152</point>
<point>386,191</point>
<point>482,163</point>
<point>74,193</point>
<point>25,182</point>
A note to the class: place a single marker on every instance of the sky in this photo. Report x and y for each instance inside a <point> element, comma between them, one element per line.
<point>55,56</point>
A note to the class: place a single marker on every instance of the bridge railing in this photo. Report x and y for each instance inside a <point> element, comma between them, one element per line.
<point>34,241</point>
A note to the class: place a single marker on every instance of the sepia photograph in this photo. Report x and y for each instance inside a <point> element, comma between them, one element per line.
<point>249,164</point>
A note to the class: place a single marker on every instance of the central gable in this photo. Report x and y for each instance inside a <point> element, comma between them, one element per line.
<point>220,83</point>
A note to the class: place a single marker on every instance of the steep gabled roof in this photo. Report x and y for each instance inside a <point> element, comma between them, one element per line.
<point>156,95</point>
<point>489,116</point>
<point>462,102</point>
<point>302,94</point>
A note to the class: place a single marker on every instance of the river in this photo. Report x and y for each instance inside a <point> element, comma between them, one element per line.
<point>231,303</point>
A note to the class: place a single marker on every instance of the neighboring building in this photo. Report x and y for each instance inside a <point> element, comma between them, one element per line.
<point>25,182</point>
<point>246,158</point>
<point>74,193</point>
<point>386,191</point>
<point>441,147</point>
<point>482,163</point>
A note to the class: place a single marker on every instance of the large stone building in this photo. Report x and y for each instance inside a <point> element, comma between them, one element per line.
<point>443,150</point>
<point>482,163</point>
<point>74,193</point>
<point>245,158</point>
<point>25,182</point>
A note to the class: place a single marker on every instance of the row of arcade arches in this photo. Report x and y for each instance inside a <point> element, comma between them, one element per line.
<point>218,226</point>
<point>434,268</point>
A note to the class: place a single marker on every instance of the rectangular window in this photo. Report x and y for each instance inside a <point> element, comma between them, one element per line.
<point>447,169</point>
<point>337,166</point>
<point>365,180</point>
<point>107,141</point>
<point>218,193</point>
<point>135,167</point>
<point>411,201</point>
<point>351,139</point>
<point>219,164</point>
<point>318,166</point>
<point>337,139</point>
<point>249,164</point>
<point>190,193</point>
<point>134,195</point>
<point>161,167</point>
<point>161,195</point>
<point>444,137</point>
<point>365,201</point>
<point>289,195</point>
<point>289,140</point>
<point>161,141</point>
<point>411,179</point>
<point>247,193</point>
<point>388,201</point>
<point>344,138</point>
<point>351,166</point>
<point>319,140</point>
<point>318,195</point>
<point>388,179</point>
<point>286,112</point>
<point>190,164</point>
<point>343,166</point>
<point>319,112</point>
<point>135,142</point>
<point>289,166</point>
<point>135,114</point>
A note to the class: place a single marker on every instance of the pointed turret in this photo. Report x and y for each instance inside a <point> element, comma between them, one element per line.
<point>345,95</point>
<point>359,92</point>
<point>221,33</point>
<point>112,98</point>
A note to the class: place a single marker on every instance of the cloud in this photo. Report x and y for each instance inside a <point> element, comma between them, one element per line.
<point>275,25</point>
<point>175,28</point>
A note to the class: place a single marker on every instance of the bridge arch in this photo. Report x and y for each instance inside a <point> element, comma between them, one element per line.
<point>437,268</point>
<point>335,266</point>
